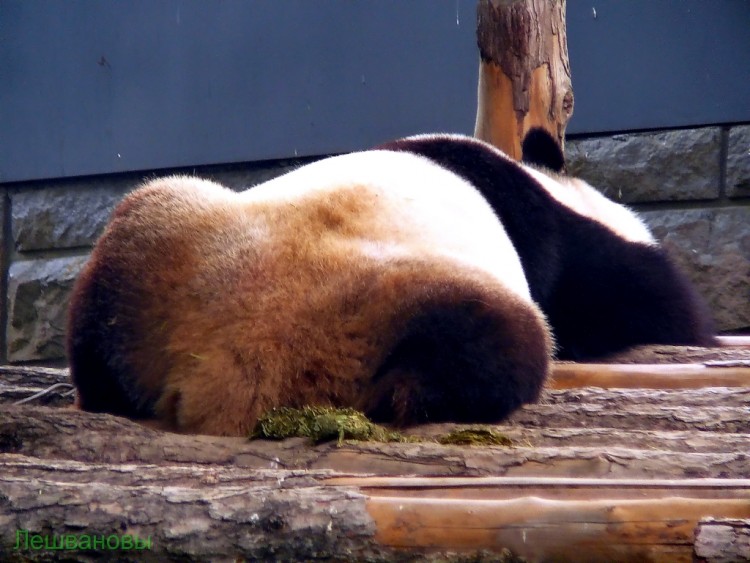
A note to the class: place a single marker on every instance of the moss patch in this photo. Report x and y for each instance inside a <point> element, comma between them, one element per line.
<point>475,437</point>
<point>321,424</point>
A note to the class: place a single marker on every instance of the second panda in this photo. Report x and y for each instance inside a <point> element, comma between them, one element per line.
<point>593,267</point>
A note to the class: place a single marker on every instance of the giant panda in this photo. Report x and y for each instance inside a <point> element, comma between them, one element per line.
<point>377,280</point>
<point>596,271</point>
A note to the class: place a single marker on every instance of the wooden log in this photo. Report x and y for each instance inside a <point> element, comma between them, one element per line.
<point>524,73</point>
<point>190,513</point>
<point>722,540</point>
<point>70,434</point>
<point>678,434</point>
<point>528,460</point>
<point>18,383</point>
<point>55,433</point>
<point>668,376</point>
<point>735,341</point>
<point>657,530</point>
<point>195,512</point>
<point>622,398</point>
<point>620,462</point>
<point>652,416</point>
<point>570,488</point>
<point>164,474</point>
<point>51,433</point>
<point>597,437</point>
<point>664,354</point>
<point>33,376</point>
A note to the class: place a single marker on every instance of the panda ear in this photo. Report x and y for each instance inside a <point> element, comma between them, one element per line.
<point>540,148</point>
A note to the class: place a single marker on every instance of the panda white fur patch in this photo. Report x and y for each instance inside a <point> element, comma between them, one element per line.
<point>417,208</point>
<point>573,193</point>
<point>592,265</point>
<point>377,280</point>
<point>581,198</point>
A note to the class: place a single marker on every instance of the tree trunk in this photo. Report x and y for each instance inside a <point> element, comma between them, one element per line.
<point>524,74</point>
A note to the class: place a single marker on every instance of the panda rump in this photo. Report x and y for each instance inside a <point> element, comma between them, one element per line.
<point>375,280</point>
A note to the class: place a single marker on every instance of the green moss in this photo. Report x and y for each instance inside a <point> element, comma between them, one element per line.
<point>321,424</point>
<point>475,437</point>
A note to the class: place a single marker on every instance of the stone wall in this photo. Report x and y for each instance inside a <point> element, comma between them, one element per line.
<point>49,229</point>
<point>693,187</point>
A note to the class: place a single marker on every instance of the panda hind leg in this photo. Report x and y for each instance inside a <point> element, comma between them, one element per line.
<point>465,357</point>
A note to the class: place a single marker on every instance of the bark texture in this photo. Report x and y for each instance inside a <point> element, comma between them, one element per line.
<point>722,541</point>
<point>524,73</point>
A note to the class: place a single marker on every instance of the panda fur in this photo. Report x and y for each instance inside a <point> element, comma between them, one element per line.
<point>592,265</point>
<point>376,280</point>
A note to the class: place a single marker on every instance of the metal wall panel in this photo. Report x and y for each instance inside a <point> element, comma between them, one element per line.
<point>93,87</point>
<point>649,64</point>
<point>89,87</point>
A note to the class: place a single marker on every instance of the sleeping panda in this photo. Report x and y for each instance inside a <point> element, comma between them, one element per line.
<point>378,280</point>
<point>593,267</point>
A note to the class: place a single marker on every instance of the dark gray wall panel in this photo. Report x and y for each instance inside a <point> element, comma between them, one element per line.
<point>646,64</point>
<point>105,86</point>
<point>89,87</point>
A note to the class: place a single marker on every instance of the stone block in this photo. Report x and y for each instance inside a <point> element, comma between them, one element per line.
<point>72,213</point>
<point>738,162</point>
<point>664,166</point>
<point>38,293</point>
<point>64,214</point>
<point>713,247</point>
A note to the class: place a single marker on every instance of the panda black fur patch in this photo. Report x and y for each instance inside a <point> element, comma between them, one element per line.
<point>540,149</point>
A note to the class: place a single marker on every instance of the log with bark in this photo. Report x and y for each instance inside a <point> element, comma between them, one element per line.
<point>597,473</point>
<point>524,74</point>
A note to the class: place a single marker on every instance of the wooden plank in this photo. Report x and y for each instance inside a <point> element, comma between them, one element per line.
<point>566,488</point>
<point>627,417</point>
<point>56,433</point>
<point>433,459</point>
<point>734,341</point>
<point>648,376</point>
<point>665,440</point>
<point>703,397</point>
<point>657,530</point>
<point>598,437</point>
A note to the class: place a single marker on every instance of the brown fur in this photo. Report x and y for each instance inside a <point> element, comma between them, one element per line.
<point>203,310</point>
